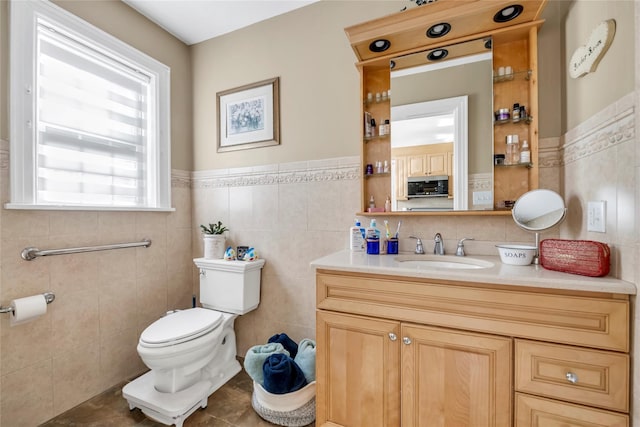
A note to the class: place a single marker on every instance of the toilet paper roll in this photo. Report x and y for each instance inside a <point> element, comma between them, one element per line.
<point>28,308</point>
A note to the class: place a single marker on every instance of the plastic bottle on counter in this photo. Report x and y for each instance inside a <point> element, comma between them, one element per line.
<point>356,237</point>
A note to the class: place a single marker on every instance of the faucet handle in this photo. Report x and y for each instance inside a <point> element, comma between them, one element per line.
<point>419,247</point>
<point>460,249</point>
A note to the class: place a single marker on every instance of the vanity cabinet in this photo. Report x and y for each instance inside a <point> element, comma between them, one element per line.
<point>397,373</point>
<point>402,351</point>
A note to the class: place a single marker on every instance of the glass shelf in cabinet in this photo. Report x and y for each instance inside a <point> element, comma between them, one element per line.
<point>526,75</point>
<point>526,120</point>
<point>526,164</point>
<point>374,102</point>
<point>376,138</point>
<point>376,174</point>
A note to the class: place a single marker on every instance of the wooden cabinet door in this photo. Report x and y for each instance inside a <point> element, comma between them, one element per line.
<point>357,371</point>
<point>436,164</point>
<point>455,378</point>
<point>399,165</point>
<point>416,165</point>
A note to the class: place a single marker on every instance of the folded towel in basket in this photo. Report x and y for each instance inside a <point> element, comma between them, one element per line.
<point>306,358</point>
<point>287,342</point>
<point>282,375</point>
<point>255,357</point>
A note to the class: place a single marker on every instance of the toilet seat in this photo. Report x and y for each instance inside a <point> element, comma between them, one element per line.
<point>179,327</point>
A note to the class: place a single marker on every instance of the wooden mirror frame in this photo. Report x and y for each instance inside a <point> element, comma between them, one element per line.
<point>514,42</point>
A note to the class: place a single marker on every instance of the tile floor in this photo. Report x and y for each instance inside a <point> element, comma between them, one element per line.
<point>228,406</point>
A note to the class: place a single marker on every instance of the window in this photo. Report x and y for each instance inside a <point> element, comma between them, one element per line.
<point>89,116</point>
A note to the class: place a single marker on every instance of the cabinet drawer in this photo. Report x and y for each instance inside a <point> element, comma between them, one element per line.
<point>533,411</point>
<point>591,377</point>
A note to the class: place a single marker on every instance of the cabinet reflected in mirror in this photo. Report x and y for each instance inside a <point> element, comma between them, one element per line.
<point>450,101</point>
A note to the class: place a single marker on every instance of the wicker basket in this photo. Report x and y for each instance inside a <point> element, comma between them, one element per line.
<point>294,409</point>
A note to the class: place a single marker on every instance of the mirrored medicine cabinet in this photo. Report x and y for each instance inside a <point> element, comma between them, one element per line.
<point>441,94</point>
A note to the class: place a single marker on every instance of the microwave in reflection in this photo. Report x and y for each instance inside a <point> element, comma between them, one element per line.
<point>428,186</point>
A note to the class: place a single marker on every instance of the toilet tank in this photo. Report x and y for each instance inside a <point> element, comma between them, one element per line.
<point>229,286</point>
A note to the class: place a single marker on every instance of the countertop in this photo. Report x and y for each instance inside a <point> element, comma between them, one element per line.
<point>499,274</point>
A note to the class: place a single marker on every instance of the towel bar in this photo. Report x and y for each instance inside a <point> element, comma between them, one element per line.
<point>32,253</point>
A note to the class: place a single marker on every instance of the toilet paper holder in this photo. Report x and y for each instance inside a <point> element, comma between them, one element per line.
<point>49,297</point>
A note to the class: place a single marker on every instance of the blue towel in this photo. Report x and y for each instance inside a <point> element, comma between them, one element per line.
<point>287,342</point>
<point>255,357</point>
<point>306,359</point>
<point>282,375</point>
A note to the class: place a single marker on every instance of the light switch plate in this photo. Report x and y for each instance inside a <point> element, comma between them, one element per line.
<point>482,197</point>
<point>596,218</point>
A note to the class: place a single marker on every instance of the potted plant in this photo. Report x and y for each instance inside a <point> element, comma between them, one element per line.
<point>214,240</point>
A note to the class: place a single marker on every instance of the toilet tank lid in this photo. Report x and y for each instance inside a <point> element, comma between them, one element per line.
<point>232,266</point>
<point>180,325</point>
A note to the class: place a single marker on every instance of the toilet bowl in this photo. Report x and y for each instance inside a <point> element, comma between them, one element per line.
<point>178,345</point>
<point>191,353</point>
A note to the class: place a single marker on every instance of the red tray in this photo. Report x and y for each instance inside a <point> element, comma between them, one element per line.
<point>584,257</point>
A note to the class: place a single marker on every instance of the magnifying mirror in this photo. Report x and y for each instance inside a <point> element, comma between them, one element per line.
<point>538,210</point>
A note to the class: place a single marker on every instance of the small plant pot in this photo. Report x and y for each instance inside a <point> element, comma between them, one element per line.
<point>214,246</point>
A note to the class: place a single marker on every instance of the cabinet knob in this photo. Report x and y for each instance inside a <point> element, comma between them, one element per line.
<point>392,336</point>
<point>406,340</point>
<point>571,377</point>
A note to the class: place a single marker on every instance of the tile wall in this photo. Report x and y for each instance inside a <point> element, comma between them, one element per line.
<point>293,213</point>
<point>87,341</point>
<point>599,163</point>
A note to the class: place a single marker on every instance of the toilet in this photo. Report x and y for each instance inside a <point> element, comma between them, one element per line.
<point>192,353</point>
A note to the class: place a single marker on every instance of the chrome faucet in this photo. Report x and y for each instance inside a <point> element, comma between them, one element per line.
<point>419,247</point>
<point>460,250</point>
<point>438,247</point>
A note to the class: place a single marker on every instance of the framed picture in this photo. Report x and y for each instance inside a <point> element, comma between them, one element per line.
<point>249,116</point>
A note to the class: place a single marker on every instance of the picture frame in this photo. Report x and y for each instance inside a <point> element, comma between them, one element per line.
<point>249,116</point>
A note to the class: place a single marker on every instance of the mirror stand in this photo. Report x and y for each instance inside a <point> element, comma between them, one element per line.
<point>536,257</point>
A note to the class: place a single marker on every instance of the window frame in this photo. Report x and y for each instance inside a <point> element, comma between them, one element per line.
<point>23,19</point>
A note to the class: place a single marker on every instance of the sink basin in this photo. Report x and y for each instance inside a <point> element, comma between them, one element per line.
<point>442,262</point>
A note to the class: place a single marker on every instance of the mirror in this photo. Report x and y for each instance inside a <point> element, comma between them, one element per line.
<point>538,210</point>
<point>441,121</point>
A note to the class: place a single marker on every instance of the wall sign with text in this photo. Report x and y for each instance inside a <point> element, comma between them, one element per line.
<point>585,59</point>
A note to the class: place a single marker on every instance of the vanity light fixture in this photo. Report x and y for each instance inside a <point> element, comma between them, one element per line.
<point>437,55</point>
<point>508,13</point>
<point>488,44</point>
<point>438,30</point>
<point>379,45</point>
<point>392,64</point>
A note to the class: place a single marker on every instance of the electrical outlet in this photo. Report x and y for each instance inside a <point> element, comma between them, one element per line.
<point>596,218</point>
<point>482,198</point>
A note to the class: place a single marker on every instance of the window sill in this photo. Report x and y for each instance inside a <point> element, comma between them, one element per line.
<point>21,206</point>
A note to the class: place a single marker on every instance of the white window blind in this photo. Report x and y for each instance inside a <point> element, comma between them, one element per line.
<point>97,136</point>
